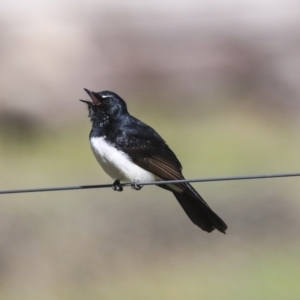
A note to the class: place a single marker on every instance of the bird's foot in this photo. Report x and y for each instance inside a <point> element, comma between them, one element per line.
<point>136,186</point>
<point>116,186</point>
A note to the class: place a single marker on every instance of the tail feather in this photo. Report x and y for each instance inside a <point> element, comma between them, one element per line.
<point>199,212</point>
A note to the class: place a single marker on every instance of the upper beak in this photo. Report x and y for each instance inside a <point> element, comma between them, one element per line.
<point>93,97</point>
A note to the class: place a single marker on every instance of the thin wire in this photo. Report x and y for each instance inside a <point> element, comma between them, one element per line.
<point>98,186</point>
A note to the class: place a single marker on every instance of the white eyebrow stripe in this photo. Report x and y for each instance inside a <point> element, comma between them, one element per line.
<point>106,96</point>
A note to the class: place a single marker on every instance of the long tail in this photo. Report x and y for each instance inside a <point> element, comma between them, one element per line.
<point>199,212</point>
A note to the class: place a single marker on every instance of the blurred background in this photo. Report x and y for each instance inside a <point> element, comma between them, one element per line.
<point>218,80</point>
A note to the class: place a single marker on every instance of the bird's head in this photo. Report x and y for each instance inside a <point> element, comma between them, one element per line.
<point>104,103</point>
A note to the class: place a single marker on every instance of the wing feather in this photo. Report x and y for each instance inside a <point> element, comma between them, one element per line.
<point>148,150</point>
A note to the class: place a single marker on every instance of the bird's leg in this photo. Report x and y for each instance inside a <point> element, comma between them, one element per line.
<point>116,186</point>
<point>136,186</point>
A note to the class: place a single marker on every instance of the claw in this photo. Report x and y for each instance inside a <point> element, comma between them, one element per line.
<point>116,186</point>
<point>136,186</point>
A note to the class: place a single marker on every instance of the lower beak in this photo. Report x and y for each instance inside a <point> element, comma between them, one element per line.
<point>87,102</point>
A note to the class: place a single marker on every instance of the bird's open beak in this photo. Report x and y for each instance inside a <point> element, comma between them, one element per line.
<point>93,97</point>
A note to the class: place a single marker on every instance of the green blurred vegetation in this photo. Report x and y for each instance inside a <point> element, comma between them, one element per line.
<point>97,244</point>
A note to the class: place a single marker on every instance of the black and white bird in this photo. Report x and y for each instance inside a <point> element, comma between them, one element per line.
<point>128,150</point>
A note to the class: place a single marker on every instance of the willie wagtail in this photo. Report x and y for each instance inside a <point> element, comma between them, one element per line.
<point>129,150</point>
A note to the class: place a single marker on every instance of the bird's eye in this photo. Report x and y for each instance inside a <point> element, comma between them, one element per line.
<point>106,100</point>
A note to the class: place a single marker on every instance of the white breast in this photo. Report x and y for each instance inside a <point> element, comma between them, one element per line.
<point>117,164</point>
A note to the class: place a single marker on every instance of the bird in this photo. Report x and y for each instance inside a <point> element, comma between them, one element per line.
<point>129,150</point>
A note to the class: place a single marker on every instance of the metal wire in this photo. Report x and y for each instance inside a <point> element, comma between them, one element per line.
<point>98,186</point>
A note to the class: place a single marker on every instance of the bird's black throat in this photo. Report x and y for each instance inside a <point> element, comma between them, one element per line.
<point>110,126</point>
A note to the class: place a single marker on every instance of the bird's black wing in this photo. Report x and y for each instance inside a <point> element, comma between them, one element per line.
<point>148,150</point>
